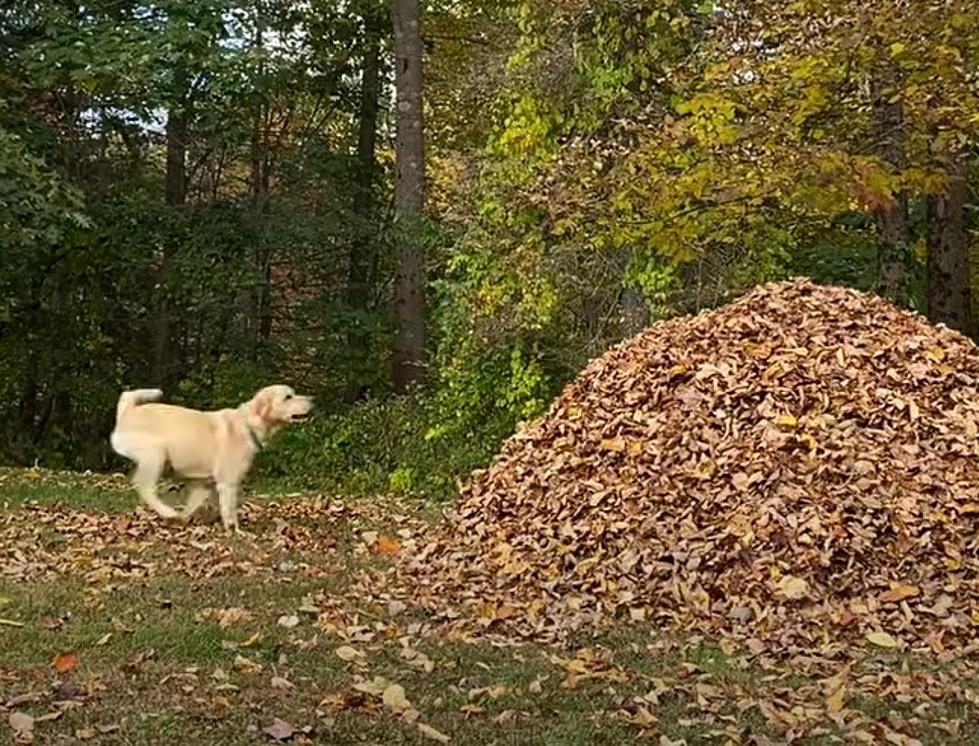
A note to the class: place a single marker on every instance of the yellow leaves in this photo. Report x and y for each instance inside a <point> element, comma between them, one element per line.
<point>883,640</point>
<point>786,421</point>
<point>619,444</point>
<point>395,700</point>
<point>226,617</point>
<point>246,665</point>
<point>836,701</point>
<point>900,592</point>
<point>615,445</point>
<point>793,588</point>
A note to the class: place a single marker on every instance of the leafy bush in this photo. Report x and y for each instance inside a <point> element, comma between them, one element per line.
<point>422,444</point>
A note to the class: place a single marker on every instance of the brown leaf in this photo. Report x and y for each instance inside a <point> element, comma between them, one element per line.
<point>900,592</point>
<point>279,730</point>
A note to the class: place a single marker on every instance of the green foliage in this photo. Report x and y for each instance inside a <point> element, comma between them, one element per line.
<point>423,444</point>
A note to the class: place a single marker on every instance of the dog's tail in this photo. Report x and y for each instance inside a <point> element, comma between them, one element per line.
<point>130,399</point>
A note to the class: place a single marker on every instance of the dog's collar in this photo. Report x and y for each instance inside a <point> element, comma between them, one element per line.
<point>257,441</point>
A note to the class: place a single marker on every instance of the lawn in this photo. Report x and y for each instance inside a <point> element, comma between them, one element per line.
<point>117,628</point>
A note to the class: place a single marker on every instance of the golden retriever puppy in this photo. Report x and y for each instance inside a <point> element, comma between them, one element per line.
<point>205,448</point>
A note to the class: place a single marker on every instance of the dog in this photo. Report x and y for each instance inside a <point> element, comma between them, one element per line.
<point>208,449</point>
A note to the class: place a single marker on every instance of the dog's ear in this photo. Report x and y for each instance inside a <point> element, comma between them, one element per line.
<point>261,405</point>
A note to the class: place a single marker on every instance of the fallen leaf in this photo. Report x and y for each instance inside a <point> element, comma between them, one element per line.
<point>836,701</point>
<point>246,665</point>
<point>387,545</point>
<point>900,593</point>
<point>883,640</point>
<point>279,730</point>
<point>65,662</point>
<point>280,683</point>
<point>793,588</point>
<point>429,732</point>
<point>85,734</point>
<point>375,687</point>
<point>288,621</point>
<point>394,698</point>
<point>349,654</point>
<point>21,723</point>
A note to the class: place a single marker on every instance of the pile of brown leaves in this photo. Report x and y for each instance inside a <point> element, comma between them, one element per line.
<point>799,470</point>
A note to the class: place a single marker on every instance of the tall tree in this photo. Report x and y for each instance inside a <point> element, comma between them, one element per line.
<point>175,190</point>
<point>948,251</point>
<point>894,237</point>
<point>409,196</point>
<point>362,250</point>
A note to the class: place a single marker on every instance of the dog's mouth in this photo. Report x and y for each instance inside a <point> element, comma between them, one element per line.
<point>299,417</point>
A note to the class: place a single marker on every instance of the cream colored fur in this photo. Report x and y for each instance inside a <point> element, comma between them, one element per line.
<point>207,449</point>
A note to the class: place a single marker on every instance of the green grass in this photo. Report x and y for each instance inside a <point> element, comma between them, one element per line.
<point>157,669</point>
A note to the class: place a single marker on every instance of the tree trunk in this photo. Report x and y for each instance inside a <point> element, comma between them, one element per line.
<point>363,202</point>
<point>362,243</point>
<point>260,183</point>
<point>949,300</point>
<point>164,368</point>
<point>409,197</point>
<point>894,239</point>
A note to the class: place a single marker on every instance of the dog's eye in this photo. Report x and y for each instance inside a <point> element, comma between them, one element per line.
<point>288,397</point>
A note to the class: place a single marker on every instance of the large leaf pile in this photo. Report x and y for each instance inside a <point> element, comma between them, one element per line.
<point>798,469</point>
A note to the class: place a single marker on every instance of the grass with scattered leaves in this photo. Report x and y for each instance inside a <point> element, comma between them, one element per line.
<point>117,630</point>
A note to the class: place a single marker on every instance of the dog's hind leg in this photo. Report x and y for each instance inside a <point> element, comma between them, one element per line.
<point>198,494</point>
<point>148,471</point>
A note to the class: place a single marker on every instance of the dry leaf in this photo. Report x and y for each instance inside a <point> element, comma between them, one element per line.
<point>288,621</point>
<point>429,732</point>
<point>837,700</point>
<point>246,665</point>
<point>793,588</point>
<point>883,640</point>
<point>349,654</point>
<point>387,545</point>
<point>279,730</point>
<point>65,662</point>
<point>394,698</point>
<point>21,722</point>
<point>900,592</point>
<point>280,683</point>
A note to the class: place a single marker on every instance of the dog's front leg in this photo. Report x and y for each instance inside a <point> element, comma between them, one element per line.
<point>228,502</point>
